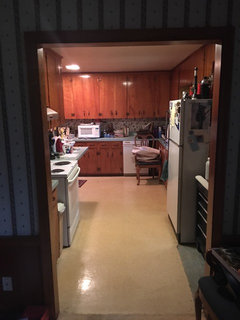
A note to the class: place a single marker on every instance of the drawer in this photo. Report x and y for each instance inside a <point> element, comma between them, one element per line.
<point>202,190</point>
<point>117,144</point>
<point>202,226</point>
<point>201,220</point>
<point>202,213</point>
<point>202,201</point>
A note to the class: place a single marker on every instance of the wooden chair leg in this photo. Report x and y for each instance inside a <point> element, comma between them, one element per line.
<point>138,175</point>
<point>198,306</point>
<point>159,174</point>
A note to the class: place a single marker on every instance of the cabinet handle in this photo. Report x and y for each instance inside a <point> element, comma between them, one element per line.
<point>100,114</point>
<point>116,113</point>
<point>53,198</point>
<point>127,113</point>
<point>72,114</point>
<point>98,153</point>
<point>98,169</point>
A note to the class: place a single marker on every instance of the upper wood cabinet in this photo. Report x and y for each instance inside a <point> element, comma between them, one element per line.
<point>162,93</point>
<point>140,98</point>
<point>53,84</point>
<point>81,96</point>
<point>182,76</point>
<point>113,95</point>
<point>116,95</point>
<point>148,94</point>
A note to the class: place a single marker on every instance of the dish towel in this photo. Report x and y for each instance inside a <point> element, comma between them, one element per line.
<point>164,175</point>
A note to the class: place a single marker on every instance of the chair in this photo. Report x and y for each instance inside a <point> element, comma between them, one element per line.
<point>149,141</point>
<point>215,305</point>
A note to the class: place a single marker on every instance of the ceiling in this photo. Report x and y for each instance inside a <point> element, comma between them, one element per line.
<point>124,57</point>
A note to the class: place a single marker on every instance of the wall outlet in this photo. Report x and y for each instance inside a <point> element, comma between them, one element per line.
<point>7,284</point>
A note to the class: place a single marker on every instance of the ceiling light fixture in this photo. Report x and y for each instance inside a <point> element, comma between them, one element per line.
<point>72,67</point>
<point>86,76</point>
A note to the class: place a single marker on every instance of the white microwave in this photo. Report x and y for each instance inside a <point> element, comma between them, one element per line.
<point>89,131</point>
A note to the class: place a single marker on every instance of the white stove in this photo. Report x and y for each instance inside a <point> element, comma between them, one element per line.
<point>66,172</point>
<point>62,168</point>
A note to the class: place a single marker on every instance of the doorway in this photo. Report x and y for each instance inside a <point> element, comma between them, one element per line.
<point>219,121</point>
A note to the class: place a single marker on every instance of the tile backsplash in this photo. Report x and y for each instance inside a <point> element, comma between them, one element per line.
<point>133,124</point>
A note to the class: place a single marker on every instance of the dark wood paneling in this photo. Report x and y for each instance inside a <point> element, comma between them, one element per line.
<point>21,260</point>
<point>182,75</point>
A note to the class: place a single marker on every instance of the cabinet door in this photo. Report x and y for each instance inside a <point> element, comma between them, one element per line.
<point>54,228</point>
<point>69,108</point>
<point>113,95</point>
<point>81,96</point>
<point>116,158</point>
<point>140,95</point>
<point>104,160</point>
<point>86,96</point>
<point>54,88</point>
<point>88,163</point>
<point>162,93</point>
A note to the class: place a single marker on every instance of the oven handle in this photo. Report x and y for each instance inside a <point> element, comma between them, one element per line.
<point>76,175</point>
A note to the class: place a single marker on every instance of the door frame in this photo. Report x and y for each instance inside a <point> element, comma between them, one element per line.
<point>218,146</point>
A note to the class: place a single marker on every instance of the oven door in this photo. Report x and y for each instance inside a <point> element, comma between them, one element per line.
<point>73,204</point>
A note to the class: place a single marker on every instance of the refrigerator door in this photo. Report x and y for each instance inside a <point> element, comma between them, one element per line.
<point>196,117</point>
<point>174,121</point>
<point>173,191</point>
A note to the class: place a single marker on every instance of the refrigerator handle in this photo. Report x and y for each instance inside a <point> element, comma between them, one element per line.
<point>167,124</point>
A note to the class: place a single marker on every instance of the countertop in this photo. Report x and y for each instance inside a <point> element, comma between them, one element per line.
<point>202,181</point>
<point>130,138</point>
<point>77,154</point>
<point>54,184</point>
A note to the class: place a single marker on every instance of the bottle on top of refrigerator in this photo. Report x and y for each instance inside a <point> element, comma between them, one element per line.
<point>207,169</point>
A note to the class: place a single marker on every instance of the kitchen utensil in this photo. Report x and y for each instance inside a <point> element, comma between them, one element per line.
<point>126,131</point>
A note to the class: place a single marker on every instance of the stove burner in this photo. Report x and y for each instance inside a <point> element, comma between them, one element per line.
<point>62,163</point>
<point>57,170</point>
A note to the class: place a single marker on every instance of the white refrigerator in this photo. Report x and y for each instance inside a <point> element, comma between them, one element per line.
<point>189,131</point>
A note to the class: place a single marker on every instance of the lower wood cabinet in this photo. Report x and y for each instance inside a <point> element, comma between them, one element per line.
<point>54,228</point>
<point>102,158</point>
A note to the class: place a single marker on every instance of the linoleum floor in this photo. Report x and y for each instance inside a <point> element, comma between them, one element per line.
<point>124,262</point>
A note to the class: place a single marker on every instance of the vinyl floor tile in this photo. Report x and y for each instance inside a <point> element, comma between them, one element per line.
<point>123,263</point>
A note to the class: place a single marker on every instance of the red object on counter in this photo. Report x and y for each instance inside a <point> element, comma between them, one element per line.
<point>59,145</point>
<point>36,313</point>
<point>199,88</point>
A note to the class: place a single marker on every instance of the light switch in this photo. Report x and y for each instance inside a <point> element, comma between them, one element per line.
<point>7,284</point>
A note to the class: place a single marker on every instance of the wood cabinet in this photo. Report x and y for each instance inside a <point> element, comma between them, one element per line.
<point>116,95</point>
<point>81,96</point>
<point>182,76</point>
<point>148,94</point>
<point>140,98</point>
<point>54,228</point>
<point>102,158</point>
<point>88,163</point>
<point>113,95</point>
<point>53,84</point>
